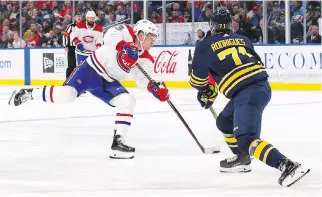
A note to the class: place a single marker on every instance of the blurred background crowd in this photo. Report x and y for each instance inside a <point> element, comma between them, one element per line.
<point>42,23</point>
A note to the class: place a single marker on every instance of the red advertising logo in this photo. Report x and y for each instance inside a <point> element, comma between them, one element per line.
<point>166,62</point>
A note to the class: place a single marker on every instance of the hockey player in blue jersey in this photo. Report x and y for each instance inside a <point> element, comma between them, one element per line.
<point>241,77</point>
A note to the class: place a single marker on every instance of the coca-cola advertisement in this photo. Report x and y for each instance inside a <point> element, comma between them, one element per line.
<point>166,61</point>
<point>170,63</point>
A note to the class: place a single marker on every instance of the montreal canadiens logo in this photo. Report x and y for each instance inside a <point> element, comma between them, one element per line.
<point>122,63</point>
<point>88,39</point>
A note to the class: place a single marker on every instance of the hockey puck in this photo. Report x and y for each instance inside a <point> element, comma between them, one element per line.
<point>213,150</point>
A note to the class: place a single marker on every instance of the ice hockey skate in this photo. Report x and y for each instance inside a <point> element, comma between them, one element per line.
<point>291,172</point>
<point>119,148</point>
<point>237,163</point>
<point>17,98</point>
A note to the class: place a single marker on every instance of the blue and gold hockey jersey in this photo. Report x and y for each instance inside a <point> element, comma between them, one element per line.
<point>230,59</point>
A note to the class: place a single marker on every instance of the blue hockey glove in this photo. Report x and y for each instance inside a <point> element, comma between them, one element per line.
<point>131,50</point>
<point>207,97</point>
<point>80,46</point>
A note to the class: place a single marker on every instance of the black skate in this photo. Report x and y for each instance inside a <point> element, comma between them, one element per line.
<point>22,96</point>
<point>120,150</point>
<point>237,163</point>
<point>291,172</point>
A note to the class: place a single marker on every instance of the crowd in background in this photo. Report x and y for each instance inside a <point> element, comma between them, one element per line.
<point>43,22</point>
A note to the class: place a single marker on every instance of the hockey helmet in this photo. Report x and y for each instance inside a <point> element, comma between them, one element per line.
<point>220,20</point>
<point>90,13</point>
<point>147,27</point>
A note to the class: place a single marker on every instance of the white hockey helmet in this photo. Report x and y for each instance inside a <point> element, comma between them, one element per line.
<point>146,26</point>
<point>90,13</point>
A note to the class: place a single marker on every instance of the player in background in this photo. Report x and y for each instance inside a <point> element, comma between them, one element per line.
<point>101,73</point>
<point>87,37</point>
<point>241,77</point>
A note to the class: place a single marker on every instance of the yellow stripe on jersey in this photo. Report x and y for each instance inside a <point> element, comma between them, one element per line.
<point>259,149</point>
<point>230,139</point>
<point>231,79</point>
<point>197,81</point>
<point>243,78</point>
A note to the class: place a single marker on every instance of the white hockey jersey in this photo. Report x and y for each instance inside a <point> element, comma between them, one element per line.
<point>107,61</point>
<point>91,38</point>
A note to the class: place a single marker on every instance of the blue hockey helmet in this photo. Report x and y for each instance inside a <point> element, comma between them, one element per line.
<point>220,21</point>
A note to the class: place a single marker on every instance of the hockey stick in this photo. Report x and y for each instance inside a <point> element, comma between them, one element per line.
<point>114,24</point>
<point>204,150</point>
<point>213,112</point>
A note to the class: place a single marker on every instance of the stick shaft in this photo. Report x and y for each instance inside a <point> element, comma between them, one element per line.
<point>174,109</point>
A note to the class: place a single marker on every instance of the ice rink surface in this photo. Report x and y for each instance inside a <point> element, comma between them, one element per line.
<point>51,150</point>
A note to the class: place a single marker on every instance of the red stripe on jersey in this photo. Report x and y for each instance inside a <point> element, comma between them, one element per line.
<point>120,45</point>
<point>129,115</point>
<point>98,28</point>
<point>147,55</point>
<point>131,31</point>
<point>51,94</point>
<point>102,67</point>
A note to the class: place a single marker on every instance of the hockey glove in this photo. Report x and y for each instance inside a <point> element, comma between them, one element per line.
<point>161,92</point>
<point>80,46</point>
<point>207,97</point>
<point>131,50</point>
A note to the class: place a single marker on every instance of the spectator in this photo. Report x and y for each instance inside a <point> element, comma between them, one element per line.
<point>5,29</point>
<point>155,17</point>
<point>111,18</point>
<point>10,39</point>
<point>235,27</point>
<point>274,14</point>
<point>43,39</point>
<point>25,25</point>
<point>3,6</point>
<point>244,25</point>
<point>59,36</point>
<point>235,10</point>
<point>196,9</point>
<point>297,29</point>
<point>298,9</point>
<point>3,41</point>
<point>201,35</point>
<point>46,26</point>
<point>102,20</point>
<point>206,15</point>
<point>52,40</point>
<point>14,13</point>
<point>175,18</point>
<point>176,6</point>
<point>33,41</point>
<point>136,16</point>
<point>17,41</point>
<point>187,17</point>
<point>27,34</point>
<point>315,37</point>
<point>120,15</point>
<point>278,26</point>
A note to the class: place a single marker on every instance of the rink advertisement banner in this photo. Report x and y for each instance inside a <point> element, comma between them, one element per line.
<point>290,67</point>
<point>47,65</point>
<point>290,64</point>
<point>12,71</point>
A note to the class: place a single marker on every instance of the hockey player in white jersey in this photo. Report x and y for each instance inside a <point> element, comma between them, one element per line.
<point>87,37</point>
<point>101,73</point>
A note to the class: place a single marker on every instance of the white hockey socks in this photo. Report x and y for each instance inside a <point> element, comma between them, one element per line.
<point>55,94</point>
<point>125,105</point>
